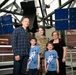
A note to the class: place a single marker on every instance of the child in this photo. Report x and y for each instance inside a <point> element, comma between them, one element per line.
<point>51,60</point>
<point>34,58</point>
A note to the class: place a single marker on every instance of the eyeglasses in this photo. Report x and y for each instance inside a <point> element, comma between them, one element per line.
<point>55,35</point>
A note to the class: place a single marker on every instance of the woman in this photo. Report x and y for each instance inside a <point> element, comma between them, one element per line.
<point>41,41</point>
<point>60,47</point>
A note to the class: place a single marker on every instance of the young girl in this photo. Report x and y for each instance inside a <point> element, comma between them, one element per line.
<point>34,58</point>
<point>51,60</point>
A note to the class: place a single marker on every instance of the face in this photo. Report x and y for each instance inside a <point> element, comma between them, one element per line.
<point>33,42</point>
<point>25,22</point>
<point>50,47</point>
<point>55,35</point>
<point>41,31</point>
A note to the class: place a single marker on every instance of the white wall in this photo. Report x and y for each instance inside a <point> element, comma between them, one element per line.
<point>49,32</point>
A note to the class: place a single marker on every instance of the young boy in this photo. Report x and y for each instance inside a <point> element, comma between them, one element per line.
<point>51,60</point>
<point>34,58</point>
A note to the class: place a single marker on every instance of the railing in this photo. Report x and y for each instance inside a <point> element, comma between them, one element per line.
<point>5,46</point>
<point>6,67</point>
<point>71,61</point>
<point>6,63</point>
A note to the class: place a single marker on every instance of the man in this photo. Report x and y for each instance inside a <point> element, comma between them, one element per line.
<point>21,47</point>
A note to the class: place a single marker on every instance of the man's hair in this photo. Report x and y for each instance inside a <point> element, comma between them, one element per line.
<point>23,18</point>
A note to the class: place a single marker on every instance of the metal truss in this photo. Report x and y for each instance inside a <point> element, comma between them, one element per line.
<point>17,11</point>
<point>45,17</point>
<point>3,3</point>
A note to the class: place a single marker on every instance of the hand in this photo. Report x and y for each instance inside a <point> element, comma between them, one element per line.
<point>27,68</point>
<point>57,70</point>
<point>17,58</point>
<point>63,59</point>
<point>45,70</point>
<point>38,67</point>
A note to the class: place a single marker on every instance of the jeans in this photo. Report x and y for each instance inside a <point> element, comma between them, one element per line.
<point>20,66</point>
<point>33,72</point>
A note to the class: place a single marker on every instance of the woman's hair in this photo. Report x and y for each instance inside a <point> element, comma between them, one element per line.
<point>42,29</point>
<point>34,39</point>
<point>55,32</point>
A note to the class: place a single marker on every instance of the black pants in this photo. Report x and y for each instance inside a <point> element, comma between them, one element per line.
<point>33,72</point>
<point>20,66</point>
<point>51,73</point>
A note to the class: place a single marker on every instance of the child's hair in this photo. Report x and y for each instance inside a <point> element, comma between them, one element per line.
<point>34,39</point>
<point>49,43</point>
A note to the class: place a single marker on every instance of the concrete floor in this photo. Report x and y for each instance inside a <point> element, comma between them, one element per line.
<point>68,71</point>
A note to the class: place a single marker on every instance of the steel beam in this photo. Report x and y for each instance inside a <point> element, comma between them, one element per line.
<point>6,7</point>
<point>41,8</point>
<point>12,12</point>
<point>59,8</point>
<point>59,3</point>
<point>3,3</point>
<point>44,8</point>
<point>73,3</point>
<point>69,5</point>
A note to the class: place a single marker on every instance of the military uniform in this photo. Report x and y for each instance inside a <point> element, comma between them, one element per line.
<point>42,43</point>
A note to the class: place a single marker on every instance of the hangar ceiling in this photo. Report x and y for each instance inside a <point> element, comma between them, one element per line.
<point>44,9</point>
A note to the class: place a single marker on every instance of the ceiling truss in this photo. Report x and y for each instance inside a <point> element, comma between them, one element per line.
<point>43,7</point>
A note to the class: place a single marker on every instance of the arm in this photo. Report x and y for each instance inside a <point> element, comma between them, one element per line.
<point>29,60</point>
<point>45,65</point>
<point>27,66</point>
<point>64,54</point>
<point>14,42</point>
<point>38,61</point>
<point>57,63</point>
<point>14,45</point>
<point>64,50</point>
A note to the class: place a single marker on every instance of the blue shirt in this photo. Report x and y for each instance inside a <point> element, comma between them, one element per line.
<point>51,57</point>
<point>33,57</point>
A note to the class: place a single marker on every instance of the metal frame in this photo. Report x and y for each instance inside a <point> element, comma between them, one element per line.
<point>42,7</point>
<point>6,63</point>
<point>3,3</point>
<point>71,62</point>
<point>14,12</point>
<point>45,16</point>
<point>59,8</point>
